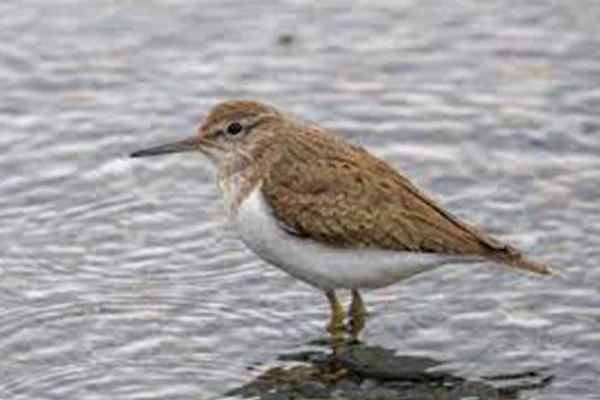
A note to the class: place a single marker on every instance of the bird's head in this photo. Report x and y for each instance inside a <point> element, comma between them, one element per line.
<point>231,135</point>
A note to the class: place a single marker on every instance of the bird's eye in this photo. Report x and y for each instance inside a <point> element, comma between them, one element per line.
<point>234,128</point>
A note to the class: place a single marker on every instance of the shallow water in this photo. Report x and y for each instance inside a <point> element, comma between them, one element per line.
<point>119,278</point>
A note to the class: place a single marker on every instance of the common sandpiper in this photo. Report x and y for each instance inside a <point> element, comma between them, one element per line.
<point>327,211</point>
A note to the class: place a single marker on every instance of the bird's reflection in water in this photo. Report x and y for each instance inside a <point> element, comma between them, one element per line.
<point>361,371</point>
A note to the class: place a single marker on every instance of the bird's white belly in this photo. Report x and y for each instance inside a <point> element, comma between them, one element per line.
<point>322,265</point>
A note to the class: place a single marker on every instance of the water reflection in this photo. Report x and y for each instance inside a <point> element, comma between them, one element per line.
<point>370,371</point>
<point>117,279</point>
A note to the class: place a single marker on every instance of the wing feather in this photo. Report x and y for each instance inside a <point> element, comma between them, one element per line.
<point>328,190</point>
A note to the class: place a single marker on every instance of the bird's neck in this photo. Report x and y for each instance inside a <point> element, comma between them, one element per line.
<point>238,180</point>
<point>236,187</point>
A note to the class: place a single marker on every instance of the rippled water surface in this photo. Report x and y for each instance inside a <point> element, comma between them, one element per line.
<point>119,278</point>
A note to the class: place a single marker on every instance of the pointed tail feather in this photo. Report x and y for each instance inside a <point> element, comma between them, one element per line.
<point>515,258</point>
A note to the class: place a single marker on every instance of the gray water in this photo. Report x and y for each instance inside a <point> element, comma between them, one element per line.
<point>119,278</point>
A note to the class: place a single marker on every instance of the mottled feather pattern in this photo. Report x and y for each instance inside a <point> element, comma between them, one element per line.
<point>331,191</point>
<point>327,190</point>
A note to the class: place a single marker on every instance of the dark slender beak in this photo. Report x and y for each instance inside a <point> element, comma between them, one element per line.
<point>175,147</point>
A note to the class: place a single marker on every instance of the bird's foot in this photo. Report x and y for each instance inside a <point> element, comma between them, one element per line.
<point>336,326</point>
<point>356,316</point>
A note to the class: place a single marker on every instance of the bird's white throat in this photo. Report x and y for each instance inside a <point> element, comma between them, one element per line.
<point>232,187</point>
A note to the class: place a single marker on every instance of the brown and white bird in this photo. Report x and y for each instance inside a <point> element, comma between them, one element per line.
<point>327,211</point>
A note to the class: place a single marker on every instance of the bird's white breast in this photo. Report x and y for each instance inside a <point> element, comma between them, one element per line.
<point>319,264</point>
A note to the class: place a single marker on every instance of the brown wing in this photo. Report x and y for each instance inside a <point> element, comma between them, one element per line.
<point>328,190</point>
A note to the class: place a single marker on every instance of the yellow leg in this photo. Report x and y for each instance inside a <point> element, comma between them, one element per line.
<point>357,315</point>
<point>336,320</point>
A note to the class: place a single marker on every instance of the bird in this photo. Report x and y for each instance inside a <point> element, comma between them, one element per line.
<point>327,211</point>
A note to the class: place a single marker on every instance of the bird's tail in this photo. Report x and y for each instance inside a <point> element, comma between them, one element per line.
<point>515,258</point>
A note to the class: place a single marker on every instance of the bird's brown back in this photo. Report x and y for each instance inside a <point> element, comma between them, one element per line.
<point>326,189</point>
